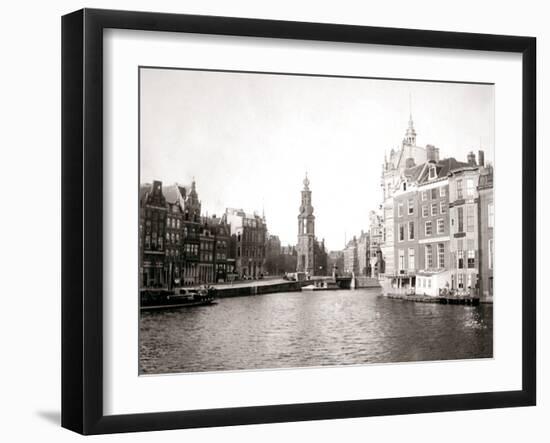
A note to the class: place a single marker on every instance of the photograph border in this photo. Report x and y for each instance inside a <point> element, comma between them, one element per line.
<point>82,220</point>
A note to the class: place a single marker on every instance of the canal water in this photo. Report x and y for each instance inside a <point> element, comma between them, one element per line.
<point>300,329</point>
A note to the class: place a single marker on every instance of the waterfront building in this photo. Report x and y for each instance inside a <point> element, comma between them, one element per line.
<point>464,226</point>
<point>206,254</point>
<point>376,229</point>
<point>222,241</point>
<point>363,254</point>
<point>306,233</point>
<point>406,227</point>
<point>486,228</point>
<point>152,214</point>
<point>422,226</point>
<point>186,197</point>
<point>248,235</point>
<point>351,263</point>
<point>174,257</point>
<point>434,252</point>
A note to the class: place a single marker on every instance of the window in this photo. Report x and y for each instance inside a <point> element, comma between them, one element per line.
<point>424,211</point>
<point>428,228</point>
<point>490,261</point>
<point>433,173</point>
<point>471,259</point>
<point>470,218</point>
<point>429,256</point>
<point>410,206</point>
<point>459,189</point>
<point>400,209</point>
<point>442,207</point>
<point>461,281</point>
<point>411,230</point>
<point>411,259</point>
<point>460,213</point>
<point>401,260</point>
<point>470,187</point>
<point>440,226</point>
<point>147,242</point>
<point>434,193</point>
<point>424,195</point>
<point>440,255</point>
<point>434,208</point>
<point>460,256</point>
<point>442,191</point>
<point>491,215</point>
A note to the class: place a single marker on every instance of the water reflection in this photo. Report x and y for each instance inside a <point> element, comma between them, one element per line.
<point>311,329</point>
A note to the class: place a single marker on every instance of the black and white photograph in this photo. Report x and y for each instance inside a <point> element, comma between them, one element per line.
<point>298,220</point>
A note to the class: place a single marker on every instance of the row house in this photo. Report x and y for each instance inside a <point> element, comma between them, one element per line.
<point>486,211</point>
<point>248,237</point>
<point>174,245</point>
<point>351,263</point>
<point>464,216</point>
<point>363,253</point>
<point>152,215</point>
<point>376,229</point>
<point>223,266</point>
<point>188,217</point>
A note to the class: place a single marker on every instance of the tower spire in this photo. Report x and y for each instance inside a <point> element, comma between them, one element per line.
<point>410,134</point>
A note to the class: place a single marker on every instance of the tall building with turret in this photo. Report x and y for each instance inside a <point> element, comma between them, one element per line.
<point>306,233</point>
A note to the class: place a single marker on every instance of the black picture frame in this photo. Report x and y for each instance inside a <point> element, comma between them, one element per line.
<point>82,215</point>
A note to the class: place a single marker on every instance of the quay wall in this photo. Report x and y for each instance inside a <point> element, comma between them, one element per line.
<point>366,282</point>
<point>239,291</point>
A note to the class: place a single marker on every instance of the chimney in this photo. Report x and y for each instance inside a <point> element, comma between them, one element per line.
<point>430,153</point>
<point>471,159</point>
<point>436,154</point>
<point>409,163</point>
<point>481,158</point>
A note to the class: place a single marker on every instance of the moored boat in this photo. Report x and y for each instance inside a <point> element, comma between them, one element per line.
<point>178,298</point>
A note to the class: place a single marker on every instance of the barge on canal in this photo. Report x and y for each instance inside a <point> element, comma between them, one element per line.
<point>151,299</point>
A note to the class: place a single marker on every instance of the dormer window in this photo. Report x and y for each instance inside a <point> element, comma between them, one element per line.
<point>432,172</point>
<point>404,186</point>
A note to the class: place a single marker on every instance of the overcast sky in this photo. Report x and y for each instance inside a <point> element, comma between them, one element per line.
<point>248,139</point>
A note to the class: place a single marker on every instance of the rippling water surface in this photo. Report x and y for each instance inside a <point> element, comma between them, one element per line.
<point>300,329</point>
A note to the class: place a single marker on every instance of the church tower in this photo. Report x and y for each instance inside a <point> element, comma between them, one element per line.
<point>410,134</point>
<point>306,232</point>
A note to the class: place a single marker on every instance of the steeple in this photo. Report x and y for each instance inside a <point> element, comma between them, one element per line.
<point>306,232</point>
<point>410,134</point>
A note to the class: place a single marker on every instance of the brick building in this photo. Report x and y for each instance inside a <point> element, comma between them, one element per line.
<point>248,238</point>
<point>152,215</point>
<point>464,230</point>
<point>486,227</point>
